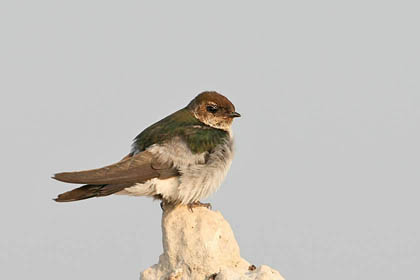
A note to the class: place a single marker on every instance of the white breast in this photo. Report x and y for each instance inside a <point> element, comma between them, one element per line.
<point>201,174</point>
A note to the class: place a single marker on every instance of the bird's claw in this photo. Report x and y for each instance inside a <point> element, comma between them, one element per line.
<point>198,204</point>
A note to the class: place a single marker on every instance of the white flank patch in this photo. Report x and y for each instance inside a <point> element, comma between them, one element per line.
<point>167,188</point>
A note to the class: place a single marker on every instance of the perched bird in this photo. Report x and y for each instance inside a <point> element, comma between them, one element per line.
<point>181,159</point>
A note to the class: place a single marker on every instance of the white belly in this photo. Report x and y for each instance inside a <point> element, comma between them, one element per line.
<point>199,178</point>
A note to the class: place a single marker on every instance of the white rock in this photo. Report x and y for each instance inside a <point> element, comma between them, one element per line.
<point>200,245</point>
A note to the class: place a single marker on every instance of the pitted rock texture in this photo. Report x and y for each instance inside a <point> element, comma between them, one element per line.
<point>200,245</point>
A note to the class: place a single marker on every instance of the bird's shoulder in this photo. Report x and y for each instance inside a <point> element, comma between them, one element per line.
<point>182,124</point>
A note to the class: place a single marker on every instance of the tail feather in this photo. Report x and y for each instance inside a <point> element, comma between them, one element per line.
<point>89,191</point>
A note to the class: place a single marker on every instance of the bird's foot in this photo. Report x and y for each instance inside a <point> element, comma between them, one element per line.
<point>198,204</point>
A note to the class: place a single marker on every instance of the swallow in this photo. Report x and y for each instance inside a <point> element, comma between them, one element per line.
<point>180,159</point>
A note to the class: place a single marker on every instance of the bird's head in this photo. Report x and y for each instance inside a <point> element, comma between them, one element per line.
<point>213,109</point>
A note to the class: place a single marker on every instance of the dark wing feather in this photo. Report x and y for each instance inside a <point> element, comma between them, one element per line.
<point>135,169</point>
<point>89,191</point>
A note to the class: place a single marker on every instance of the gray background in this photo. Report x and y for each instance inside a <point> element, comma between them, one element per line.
<point>325,180</point>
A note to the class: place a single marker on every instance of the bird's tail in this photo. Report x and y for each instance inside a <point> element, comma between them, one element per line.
<point>89,191</point>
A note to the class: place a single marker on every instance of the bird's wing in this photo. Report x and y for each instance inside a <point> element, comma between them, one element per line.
<point>131,169</point>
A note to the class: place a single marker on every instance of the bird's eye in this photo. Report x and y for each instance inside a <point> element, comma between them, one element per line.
<point>212,109</point>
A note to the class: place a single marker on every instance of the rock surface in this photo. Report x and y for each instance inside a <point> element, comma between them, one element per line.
<point>200,245</point>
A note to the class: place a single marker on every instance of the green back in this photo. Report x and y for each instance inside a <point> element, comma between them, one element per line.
<point>198,136</point>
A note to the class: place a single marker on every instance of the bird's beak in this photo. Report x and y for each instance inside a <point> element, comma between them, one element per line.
<point>234,115</point>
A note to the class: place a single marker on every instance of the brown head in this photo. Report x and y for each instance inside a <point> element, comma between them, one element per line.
<point>213,109</point>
